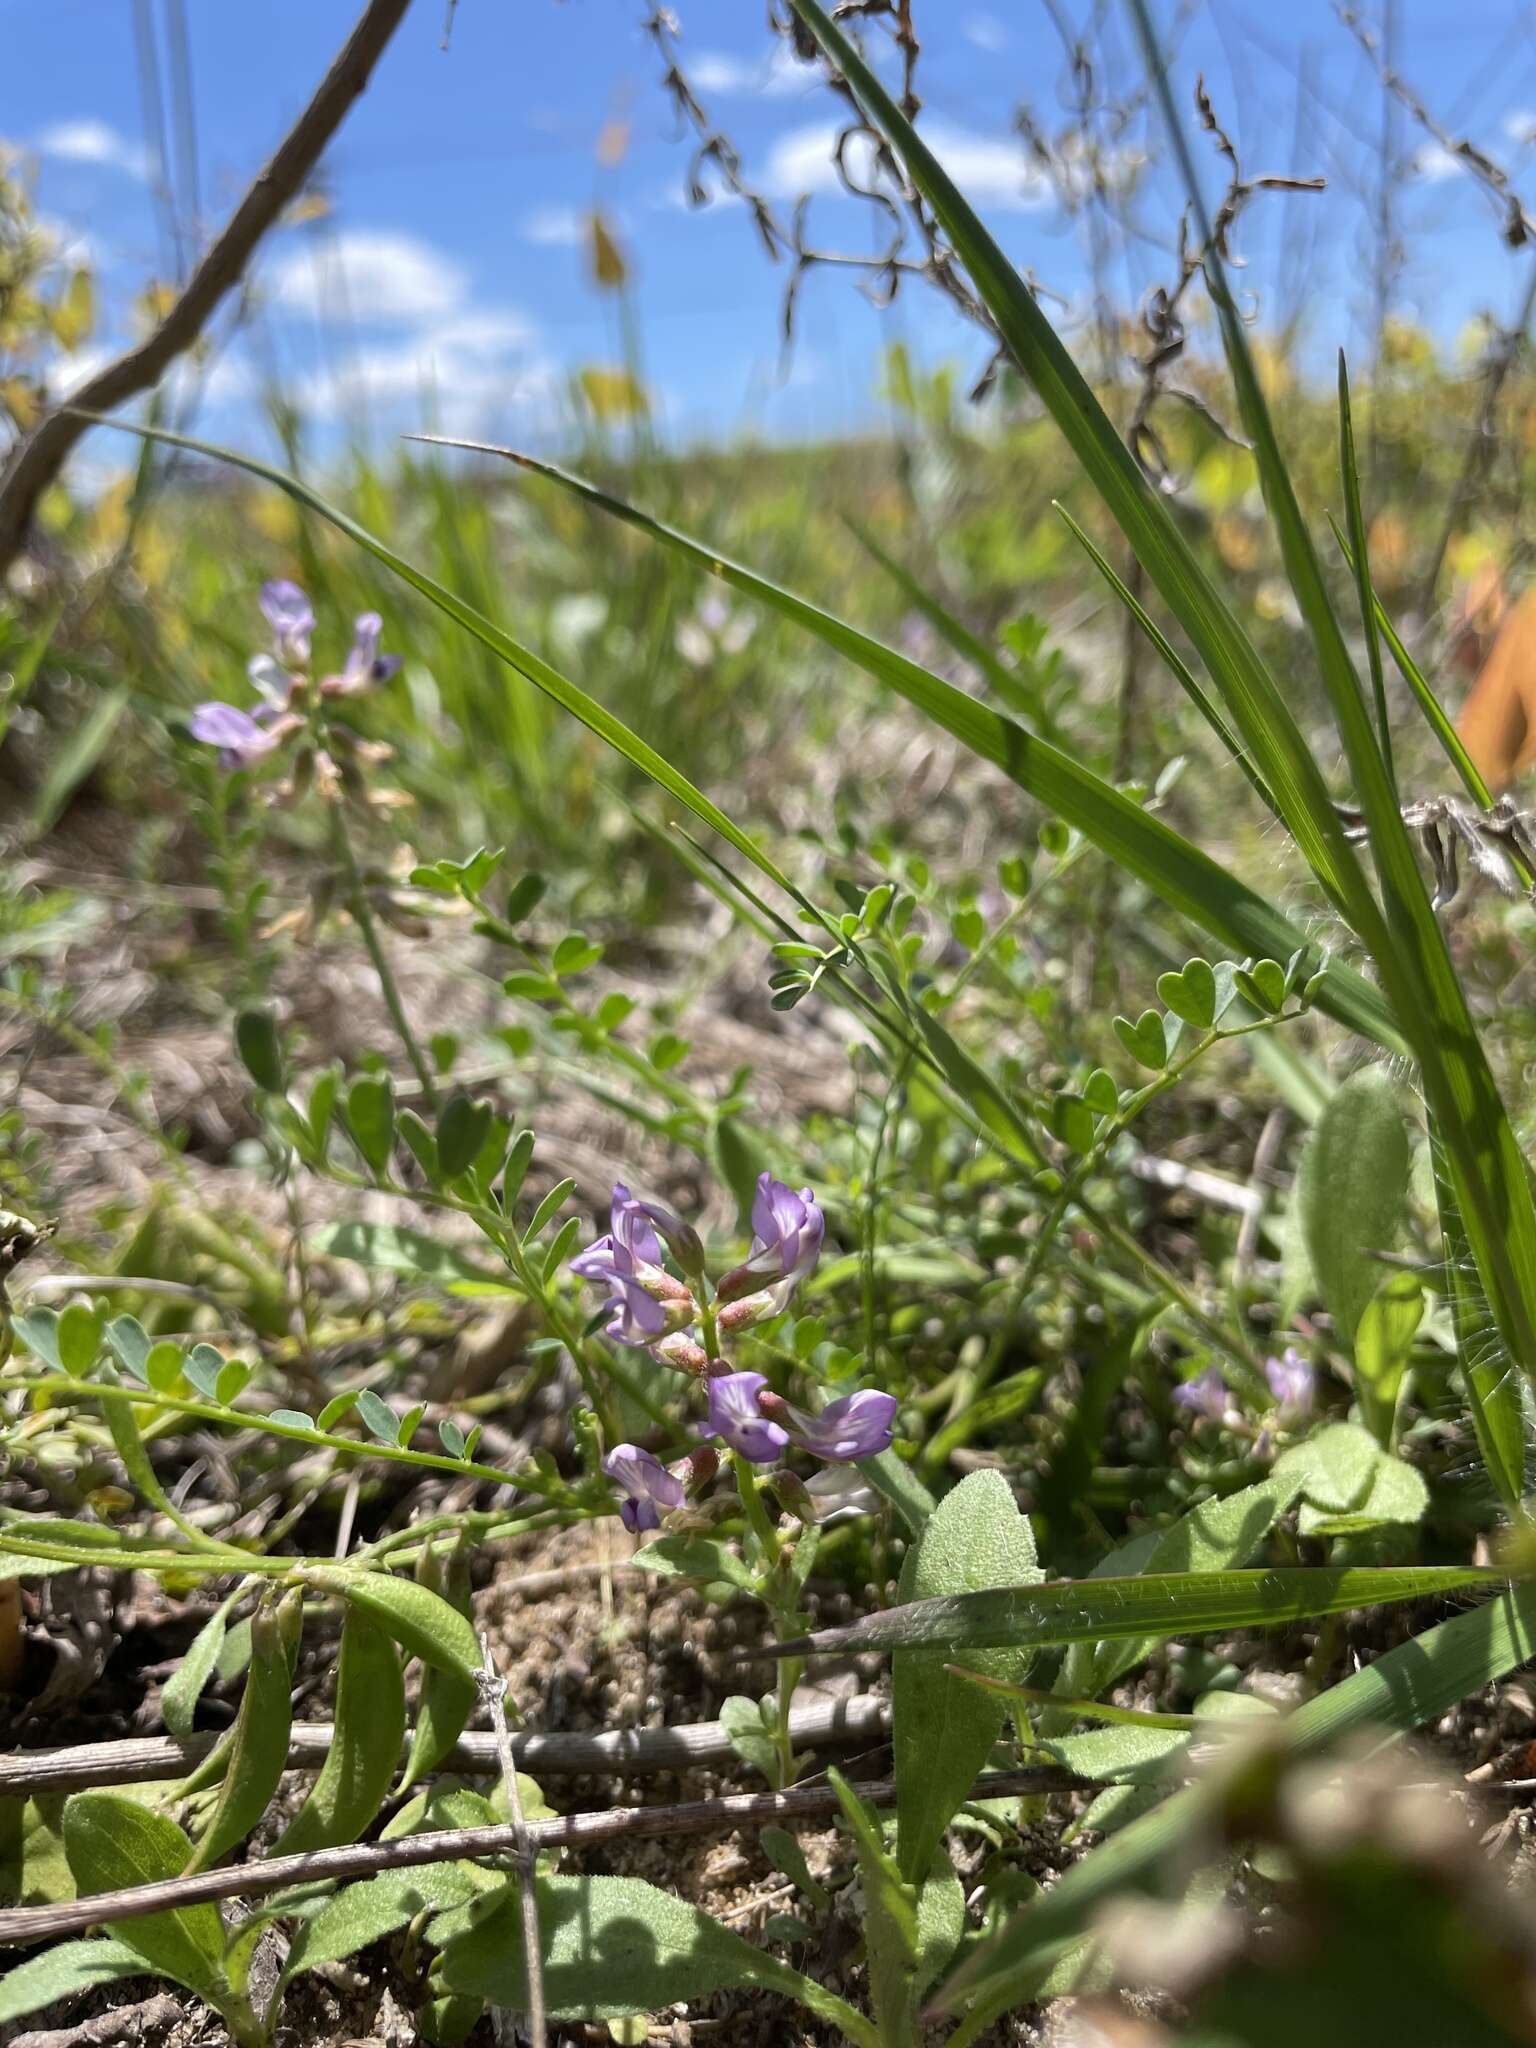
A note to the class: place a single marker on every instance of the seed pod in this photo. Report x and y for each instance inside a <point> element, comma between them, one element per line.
<point>447,1697</point>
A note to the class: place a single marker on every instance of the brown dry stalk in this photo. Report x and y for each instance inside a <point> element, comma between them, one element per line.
<point>624,1752</point>
<point>39,456</point>
<point>24,1924</point>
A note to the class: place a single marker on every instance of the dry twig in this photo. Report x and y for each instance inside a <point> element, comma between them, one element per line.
<point>39,456</point>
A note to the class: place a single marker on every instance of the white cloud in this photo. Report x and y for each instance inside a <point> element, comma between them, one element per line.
<point>370,277</point>
<point>555,227</point>
<point>715,71</point>
<point>457,372</point>
<point>1434,163</point>
<point>67,373</point>
<point>1520,126</point>
<point>992,169</point>
<point>93,142</point>
<point>986,32</point>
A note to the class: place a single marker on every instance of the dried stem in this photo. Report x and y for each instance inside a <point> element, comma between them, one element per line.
<point>621,1752</point>
<point>25,1924</point>
<point>37,459</point>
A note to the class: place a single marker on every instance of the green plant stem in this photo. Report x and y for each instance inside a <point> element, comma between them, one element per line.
<point>362,917</point>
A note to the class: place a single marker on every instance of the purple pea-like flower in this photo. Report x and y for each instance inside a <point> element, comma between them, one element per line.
<point>786,1243</point>
<point>645,1301</point>
<point>736,1419</point>
<point>854,1426</point>
<point>292,618</point>
<point>1207,1394</point>
<point>365,665</point>
<point>1292,1382</point>
<point>649,1489</point>
<point>241,739</point>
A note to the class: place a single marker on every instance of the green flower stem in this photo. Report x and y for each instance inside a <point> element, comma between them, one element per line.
<point>362,917</point>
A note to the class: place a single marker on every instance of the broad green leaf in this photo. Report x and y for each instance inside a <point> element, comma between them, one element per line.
<point>38,1329</point>
<point>1159,1604</point>
<point>615,1945</point>
<point>34,1870</point>
<point>396,1249</point>
<point>258,1753</point>
<point>184,1688</point>
<point>79,1339</point>
<point>260,1049</point>
<point>112,1842</point>
<point>365,1747</point>
<point>377,1417</point>
<point>461,1131</point>
<point>129,1343</point>
<point>446,1698</point>
<point>64,1972</point>
<point>749,1735</point>
<point>1352,1192</point>
<point>1383,1343</point>
<point>1219,1535</point>
<point>361,1914</point>
<point>694,1557</point>
<point>943,1729</point>
<point>1350,1483</point>
<point>371,1119</point>
<point>419,1620</point>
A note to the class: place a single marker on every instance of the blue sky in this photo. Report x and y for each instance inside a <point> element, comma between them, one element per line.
<point>453,251</point>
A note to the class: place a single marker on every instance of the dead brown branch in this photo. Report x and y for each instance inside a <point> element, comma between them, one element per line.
<point>39,456</point>
<point>25,1924</point>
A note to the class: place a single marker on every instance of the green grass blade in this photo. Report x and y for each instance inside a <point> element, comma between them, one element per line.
<point>1183,674</point>
<point>1434,712</point>
<point>1355,513</point>
<point>1484,1163</point>
<point>1493,1393</point>
<point>1188,880</point>
<point>1407,1688</point>
<point>1154,1604</point>
<point>1253,698</point>
<point>1011,690</point>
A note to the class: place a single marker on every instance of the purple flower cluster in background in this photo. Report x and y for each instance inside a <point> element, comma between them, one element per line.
<point>648,1306</point>
<point>1291,1380</point>
<point>279,678</point>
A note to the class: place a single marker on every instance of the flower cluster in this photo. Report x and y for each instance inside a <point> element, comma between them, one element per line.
<point>683,1326</point>
<point>289,696</point>
<point>1292,1384</point>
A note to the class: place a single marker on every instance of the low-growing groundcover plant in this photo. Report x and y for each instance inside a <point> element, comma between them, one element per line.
<point>753,1409</point>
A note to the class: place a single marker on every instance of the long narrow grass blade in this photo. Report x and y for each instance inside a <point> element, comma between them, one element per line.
<point>1183,674</point>
<point>1256,704</point>
<point>1484,1164</point>
<point>1188,880</point>
<point>1355,512</point>
<point>1011,690</point>
<point>1407,1688</point>
<point>1434,712</point>
<point>1155,1604</point>
<point>1493,1391</point>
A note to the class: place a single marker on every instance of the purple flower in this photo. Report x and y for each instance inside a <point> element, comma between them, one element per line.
<point>854,1426</point>
<point>786,1243</point>
<point>736,1419</point>
<point>646,1302</point>
<point>1292,1382</point>
<point>365,665</point>
<point>646,1484</point>
<point>240,738</point>
<point>1206,1395</point>
<point>292,618</point>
